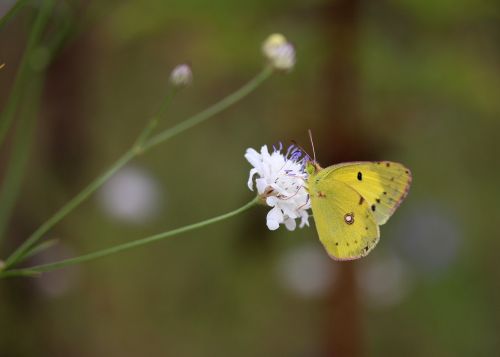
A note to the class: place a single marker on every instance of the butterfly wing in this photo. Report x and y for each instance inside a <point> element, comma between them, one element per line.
<point>344,221</point>
<point>382,184</point>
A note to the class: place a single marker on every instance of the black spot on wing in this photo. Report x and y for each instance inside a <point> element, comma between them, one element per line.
<point>360,176</point>
<point>374,208</point>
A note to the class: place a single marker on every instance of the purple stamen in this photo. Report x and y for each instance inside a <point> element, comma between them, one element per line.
<point>296,155</point>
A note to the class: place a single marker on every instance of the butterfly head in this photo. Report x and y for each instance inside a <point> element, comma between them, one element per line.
<point>312,168</point>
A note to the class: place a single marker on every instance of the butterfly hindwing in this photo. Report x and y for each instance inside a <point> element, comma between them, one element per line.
<point>382,184</point>
<point>343,218</point>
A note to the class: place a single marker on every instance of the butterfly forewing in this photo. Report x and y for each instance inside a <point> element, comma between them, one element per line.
<point>382,184</point>
<point>343,218</point>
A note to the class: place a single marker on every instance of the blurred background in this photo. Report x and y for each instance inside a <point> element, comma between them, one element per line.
<point>410,81</point>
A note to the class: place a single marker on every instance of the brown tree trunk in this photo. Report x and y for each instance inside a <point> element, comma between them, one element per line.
<point>343,141</point>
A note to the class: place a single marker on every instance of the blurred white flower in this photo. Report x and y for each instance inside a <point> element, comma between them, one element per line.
<point>307,271</point>
<point>57,283</point>
<point>281,184</point>
<point>131,195</point>
<point>279,52</point>
<point>429,237</point>
<point>181,75</point>
<point>384,281</point>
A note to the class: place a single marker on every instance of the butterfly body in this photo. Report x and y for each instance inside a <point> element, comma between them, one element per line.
<point>351,200</point>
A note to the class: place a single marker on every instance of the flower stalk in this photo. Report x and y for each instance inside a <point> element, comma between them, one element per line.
<point>210,111</point>
<point>11,183</point>
<point>25,68</point>
<point>38,269</point>
<point>141,145</point>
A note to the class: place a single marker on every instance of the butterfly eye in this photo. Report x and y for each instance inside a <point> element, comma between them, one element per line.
<point>349,218</point>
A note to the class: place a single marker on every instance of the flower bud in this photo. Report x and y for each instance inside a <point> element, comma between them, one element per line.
<point>271,43</point>
<point>181,75</point>
<point>279,52</point>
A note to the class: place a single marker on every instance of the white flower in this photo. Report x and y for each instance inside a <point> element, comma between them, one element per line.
<point>281,184</point>
<point>181,75</point>
<point>279,52</point>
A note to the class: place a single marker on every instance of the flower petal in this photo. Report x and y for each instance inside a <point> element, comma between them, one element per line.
<point>304,219</point>
<point>261,184</point>
<point>274,218</point>
<point>253,157</point>
<point>272,201</point>
<point>290,224</point>
<point>250,178</point>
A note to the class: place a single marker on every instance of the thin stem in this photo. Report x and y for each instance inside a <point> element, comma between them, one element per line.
<point>20,151</point>
<point>12,12</point>
<point>153,122</point>
<point>24,248</point>
<point>126,246</point>
<point>211,111</point>
<point>231,99</point>
<point>24,68</point>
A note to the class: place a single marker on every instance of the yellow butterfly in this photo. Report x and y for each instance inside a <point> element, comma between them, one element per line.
<point>351,200</point>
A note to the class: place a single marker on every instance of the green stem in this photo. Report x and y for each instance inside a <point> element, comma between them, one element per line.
<point>210,111</point>
<point>20,150</point>
<point>12,12</point>
<point>122,247</point>
<point>24,249</point>
<point>153,122</point>
<point>24,68</point>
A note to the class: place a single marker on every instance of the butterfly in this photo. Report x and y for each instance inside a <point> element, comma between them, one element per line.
<point>351,200</point>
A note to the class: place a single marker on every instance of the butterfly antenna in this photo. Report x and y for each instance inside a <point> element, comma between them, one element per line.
<point>300,147</point>
<point>312,144</point>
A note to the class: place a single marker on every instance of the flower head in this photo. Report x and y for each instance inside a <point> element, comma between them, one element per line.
<point>181,75</point>
<point>281,184</point>
<point>279,52</point>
